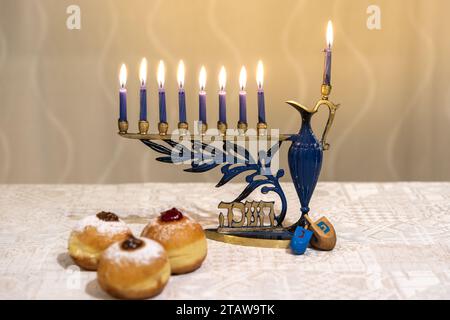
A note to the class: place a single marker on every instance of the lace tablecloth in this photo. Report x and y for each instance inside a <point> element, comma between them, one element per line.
<point>393,242</point>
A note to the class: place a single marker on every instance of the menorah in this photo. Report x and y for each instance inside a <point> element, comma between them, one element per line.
<point>233,151</point>
<point>205,150</point>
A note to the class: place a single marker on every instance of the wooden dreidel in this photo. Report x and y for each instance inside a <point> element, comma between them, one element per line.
<point>300,240</point>
<point>324,235</point>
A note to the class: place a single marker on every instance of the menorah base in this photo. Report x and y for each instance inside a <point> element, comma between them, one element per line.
<point>271,238</point>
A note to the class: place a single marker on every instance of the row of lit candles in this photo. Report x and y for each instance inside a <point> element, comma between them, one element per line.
<point>202,92</point>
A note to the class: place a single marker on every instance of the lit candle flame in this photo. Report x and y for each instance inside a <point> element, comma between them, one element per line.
<point>222,78</point>
<point>161,74</point>
<point>180,74</point>
<point>202,78</point>
<point>143,71</point>
<point>123,76</point>
<point>330,34</point>
<point>243,78</point>
<point>260,74</point>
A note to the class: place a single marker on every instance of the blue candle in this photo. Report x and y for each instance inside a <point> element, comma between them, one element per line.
<point>162,105</point>
<point>222,96</point>
<point>162,93</point>
<point>242,96</point>
<point>261,106</point>
<point>202,107</point>
<point>327,68</point>
<point>182,105</point>
<point>123,94</point>
<point>143,90</point>
<point>181,93</point>
<point>202,96</point>
<point>123,104</point>
<point>261,103</point>
<point>222,107</point>
<point>143,104</point>
<point>243,107</point>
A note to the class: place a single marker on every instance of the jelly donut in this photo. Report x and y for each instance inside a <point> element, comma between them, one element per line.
<point>182,237</point>
<point>135,268</point>
<point>92,235</point>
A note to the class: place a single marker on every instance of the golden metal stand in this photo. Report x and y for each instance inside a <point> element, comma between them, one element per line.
<point>213,234</point>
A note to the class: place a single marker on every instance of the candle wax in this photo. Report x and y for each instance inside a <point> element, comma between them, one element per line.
<point>222,107</point>
<point>327,69</point>
<point>202,106</point>
<point>182,105</point>
<point>123,104</point>
<point>261,107</point>
<point>243,107</point>
<point>162,106</point>
<point>143,104</point>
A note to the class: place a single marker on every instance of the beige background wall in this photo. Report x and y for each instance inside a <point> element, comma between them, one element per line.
<point>58,88</point>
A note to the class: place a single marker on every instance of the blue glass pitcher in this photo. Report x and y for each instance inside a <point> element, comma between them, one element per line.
<point>306,154</point>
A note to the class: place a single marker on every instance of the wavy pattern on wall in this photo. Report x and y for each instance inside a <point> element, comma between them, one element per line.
<point>44,42</point>
<point>292,57</point>
<point>419,90</point>
<point>369,95</point>
<point>67,147</point>
<point>110,97</point>
<point>5,155</point>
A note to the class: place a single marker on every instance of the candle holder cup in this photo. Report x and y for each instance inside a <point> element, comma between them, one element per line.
<point>262,128</point>
<point>163,127</point>
<point>183,127</point>
<point>258,223</point>
<point>242,127</point>
<point>143,126</point>
<point>203,128</point>
<point>123,126</point>
<point>222,127</point>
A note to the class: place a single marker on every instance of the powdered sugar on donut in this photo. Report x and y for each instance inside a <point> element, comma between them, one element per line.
<point>166,230</point>
<point>150,251</point>
<point>103,227</point>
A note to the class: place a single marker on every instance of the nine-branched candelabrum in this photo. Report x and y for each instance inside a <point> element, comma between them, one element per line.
<point>253,154</point>
<point>243,152</point>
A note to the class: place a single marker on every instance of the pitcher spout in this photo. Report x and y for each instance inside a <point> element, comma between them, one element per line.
<point>307,113</point>
<point>299,107</point>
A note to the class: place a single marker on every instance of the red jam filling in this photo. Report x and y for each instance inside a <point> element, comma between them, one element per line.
<point>171,215</point>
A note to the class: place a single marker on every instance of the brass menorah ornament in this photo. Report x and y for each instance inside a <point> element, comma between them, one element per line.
<point>259,223</point>
<point>232,150</point>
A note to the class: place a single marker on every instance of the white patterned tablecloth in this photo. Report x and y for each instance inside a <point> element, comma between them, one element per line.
<point>393,242</point>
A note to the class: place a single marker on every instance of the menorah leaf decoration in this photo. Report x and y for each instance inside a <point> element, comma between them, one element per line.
<point>234,159</point>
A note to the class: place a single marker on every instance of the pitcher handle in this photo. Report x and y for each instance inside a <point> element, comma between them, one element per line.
<point>332,111</point>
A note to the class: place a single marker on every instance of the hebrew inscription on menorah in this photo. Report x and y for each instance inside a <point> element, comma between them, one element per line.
<point>252,214</point>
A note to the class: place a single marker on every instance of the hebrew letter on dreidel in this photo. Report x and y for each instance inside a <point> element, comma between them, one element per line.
<point>325,228</point>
